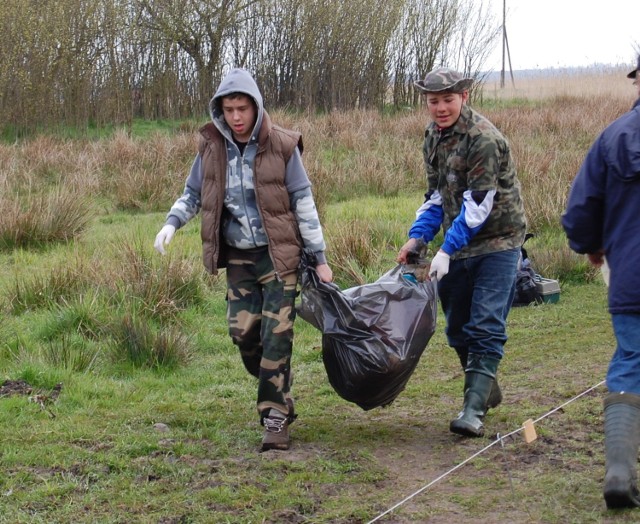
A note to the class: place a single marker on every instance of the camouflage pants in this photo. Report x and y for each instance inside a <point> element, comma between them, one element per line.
<point>260,313</point>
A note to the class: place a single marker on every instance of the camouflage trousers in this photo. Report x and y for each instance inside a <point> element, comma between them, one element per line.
<point>261,313</point>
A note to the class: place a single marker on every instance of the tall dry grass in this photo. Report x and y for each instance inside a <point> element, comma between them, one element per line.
<point>129,173</point>
<point>549,142</point>
<point>348,154</point>
<point>602,81</point>
<point>42,218</point>
<point>145,174</point>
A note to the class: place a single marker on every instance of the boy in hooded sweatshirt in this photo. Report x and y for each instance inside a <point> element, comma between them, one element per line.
<point>258,213</point>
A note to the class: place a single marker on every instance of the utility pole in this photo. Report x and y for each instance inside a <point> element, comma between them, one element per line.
<point>505,46</point>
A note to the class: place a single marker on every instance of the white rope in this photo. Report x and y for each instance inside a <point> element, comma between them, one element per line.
<point>499,439</point>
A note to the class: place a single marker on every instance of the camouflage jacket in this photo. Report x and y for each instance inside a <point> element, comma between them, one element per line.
<point>472,155</point>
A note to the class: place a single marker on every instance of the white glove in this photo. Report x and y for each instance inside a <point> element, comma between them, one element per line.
<point>439,265</point>
<point>164,237</point>
<point>606,272</point>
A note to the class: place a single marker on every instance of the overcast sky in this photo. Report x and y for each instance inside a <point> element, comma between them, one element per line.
<point>566,33</point>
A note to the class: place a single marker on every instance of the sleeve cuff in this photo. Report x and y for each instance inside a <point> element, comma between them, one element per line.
<point>320,257</point>
<point>173,221</point>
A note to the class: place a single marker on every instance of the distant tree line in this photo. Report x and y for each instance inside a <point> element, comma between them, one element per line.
<point>108,61</point>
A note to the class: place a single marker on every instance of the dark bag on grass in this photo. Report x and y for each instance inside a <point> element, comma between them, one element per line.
<point>526,289</point>
<point>372,335</point>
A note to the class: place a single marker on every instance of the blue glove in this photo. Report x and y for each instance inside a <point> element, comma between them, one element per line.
<point>439,265</point>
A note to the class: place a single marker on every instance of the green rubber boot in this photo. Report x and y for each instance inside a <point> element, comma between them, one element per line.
<point>479,378</point>
<point>622,438</point>
<point>495,396</point>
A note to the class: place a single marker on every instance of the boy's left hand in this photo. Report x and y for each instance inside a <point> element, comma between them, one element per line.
<point>324,272</point>
<point>439,265</point>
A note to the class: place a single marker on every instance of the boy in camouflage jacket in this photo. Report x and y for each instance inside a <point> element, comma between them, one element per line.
<point>474,195</point>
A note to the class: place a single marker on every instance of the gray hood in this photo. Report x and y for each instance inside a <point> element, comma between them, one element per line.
<point>237,81</point>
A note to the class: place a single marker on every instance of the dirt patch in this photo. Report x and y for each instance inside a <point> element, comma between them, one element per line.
<point>438,477</point>
<point>20,387</point>
<point>15,387</point>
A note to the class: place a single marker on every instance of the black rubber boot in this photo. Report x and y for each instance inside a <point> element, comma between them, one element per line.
<point>495,396</point>
<point>478,380</point>
<point>622,438</point>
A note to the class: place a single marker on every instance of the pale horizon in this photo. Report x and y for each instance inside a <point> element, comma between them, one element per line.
<point>552,34</point>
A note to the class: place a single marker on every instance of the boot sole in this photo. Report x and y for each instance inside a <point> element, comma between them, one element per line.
<point>493,405</point>
<point>465,430</point>
<point>495,396</point>
<point>618,494</point>
<point>279,447</point>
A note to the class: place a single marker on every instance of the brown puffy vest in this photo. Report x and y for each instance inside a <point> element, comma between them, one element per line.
<point>275,147</point>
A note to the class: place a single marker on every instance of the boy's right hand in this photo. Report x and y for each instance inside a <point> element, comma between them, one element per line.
<point>412,246</point>
<point>164,237</point>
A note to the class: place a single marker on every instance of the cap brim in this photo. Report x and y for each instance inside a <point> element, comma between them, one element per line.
<point>632,74</point>
<point>420,85</point>
<point>458,87</point>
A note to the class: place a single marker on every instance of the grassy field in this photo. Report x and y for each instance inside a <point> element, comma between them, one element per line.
<point>155,417</point>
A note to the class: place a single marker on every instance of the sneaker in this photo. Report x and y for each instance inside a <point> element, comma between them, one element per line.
<point>276,431</point>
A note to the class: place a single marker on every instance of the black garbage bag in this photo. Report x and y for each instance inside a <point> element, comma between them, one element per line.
<point>372,335</point>
<point>526,290</point>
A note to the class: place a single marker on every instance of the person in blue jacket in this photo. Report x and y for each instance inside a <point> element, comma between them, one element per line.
<point>602,221</point>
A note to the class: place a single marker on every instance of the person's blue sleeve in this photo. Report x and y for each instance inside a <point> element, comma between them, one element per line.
<point>583,218</point>
<point>475,210</point>
<point>429,217</point>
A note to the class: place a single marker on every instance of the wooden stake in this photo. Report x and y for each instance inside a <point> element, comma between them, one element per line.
<point>529,431</point>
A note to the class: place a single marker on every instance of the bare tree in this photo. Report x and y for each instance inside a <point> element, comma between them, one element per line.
<point>475,37</point>
<point>200,28</point>
<point>419,42</point>
<point>103,61</point>
<point>344,52</point>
